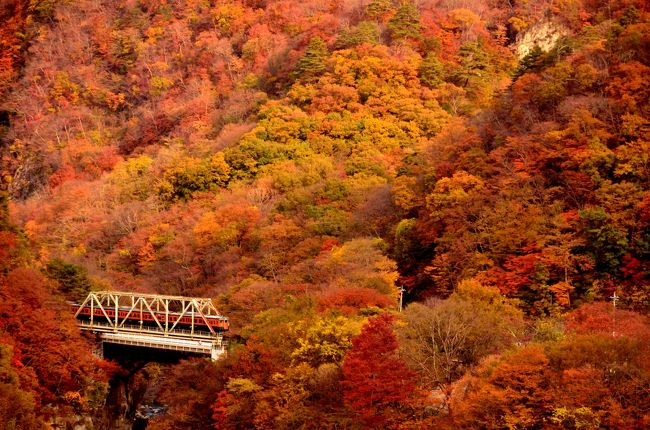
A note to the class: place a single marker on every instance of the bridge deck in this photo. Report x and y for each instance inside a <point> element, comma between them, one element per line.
<point>177,340</point>
<point>155,331</point>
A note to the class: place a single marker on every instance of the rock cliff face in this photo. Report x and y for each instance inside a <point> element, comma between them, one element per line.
<point>116,415</point>
<point>544,34</point>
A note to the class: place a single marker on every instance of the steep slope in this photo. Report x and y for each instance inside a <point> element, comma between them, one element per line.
<point>302,162</point>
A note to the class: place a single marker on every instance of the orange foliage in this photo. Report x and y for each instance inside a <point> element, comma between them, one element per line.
<point>377,384</point>
<point>602,318</point>
<point>167,147</point>
<point>49,351</point>
<point>350,300</point>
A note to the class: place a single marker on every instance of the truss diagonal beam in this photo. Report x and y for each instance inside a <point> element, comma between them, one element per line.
<point>118,309</point>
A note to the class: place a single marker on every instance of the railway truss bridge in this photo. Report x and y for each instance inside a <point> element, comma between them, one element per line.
<point>186,324</point>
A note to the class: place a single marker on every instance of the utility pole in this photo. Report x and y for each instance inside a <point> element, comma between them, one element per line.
<point>614,298</point>
<point>401,298</point>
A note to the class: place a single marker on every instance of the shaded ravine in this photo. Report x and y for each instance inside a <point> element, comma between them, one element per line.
<point>131,400</point>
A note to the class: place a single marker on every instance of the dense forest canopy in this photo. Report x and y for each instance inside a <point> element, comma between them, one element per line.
<point>307,163</point>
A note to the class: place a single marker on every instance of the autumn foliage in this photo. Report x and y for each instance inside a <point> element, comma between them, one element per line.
<point>314,167</point>
<point>377,384</point>
<point>47,366</point>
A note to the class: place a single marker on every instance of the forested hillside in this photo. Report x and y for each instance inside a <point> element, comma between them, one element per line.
<point>303,164</point>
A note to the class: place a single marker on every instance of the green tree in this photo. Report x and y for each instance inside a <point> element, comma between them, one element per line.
<point>605,243</point>
<point>474,63</point>
<point>379,9</point>
<point>312,64</point>
<point>534,60</point>
<point>73,279</point>
<point>193,175</point>
<point>430,71</point>
<point>365,32</point>
<point>406,243</point>
<point>405,23</point>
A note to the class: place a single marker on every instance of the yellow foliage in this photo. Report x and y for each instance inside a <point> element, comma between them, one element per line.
<point>405,194</point>
<point>453,191</point>
<point>132,178</point>
<point>361,263</point>
<point>159,84</point>
<point>154,33</point>
<point>239,386</point>
<point>464,19</point>
<point>226,226</point>
<point>64,88</point>
<point>518,24</point>
<point>325,340</point>
<point>31,229</point>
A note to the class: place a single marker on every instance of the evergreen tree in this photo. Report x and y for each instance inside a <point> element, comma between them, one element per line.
<point>312,63</point>
<point>365,32</point>
<point>73,280</point>
<point>379,9</point>
<point>430,71</point>
<point>474,63</point>
<point>532,61</point>
<point>405,23</point>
